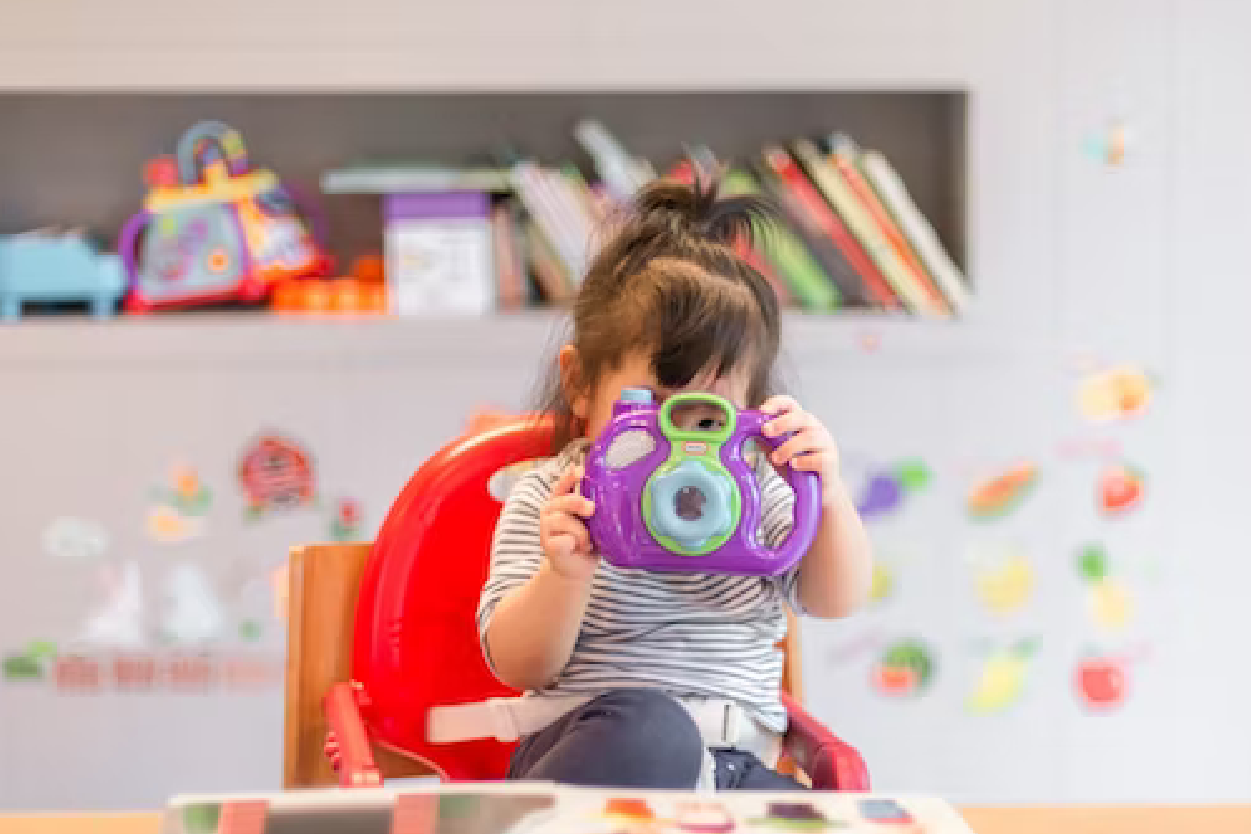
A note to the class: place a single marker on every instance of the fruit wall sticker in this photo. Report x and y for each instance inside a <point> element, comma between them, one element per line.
<point>75,541</point>
<point>345,521</point>
<point>1101,679</point>
<point>883,583</point>
<point>179,506</point>
<point>1120,489</point>
<point>1109,144</point>
<point>276,473</point>
<point>885,489</point>
<point>1003,678</point>
<point>906,668</point>
<point>1108,599</point>
<point>29,665</point>
<point>1000,494</point>
<point>1115,394</point>
<point>1003,577</point>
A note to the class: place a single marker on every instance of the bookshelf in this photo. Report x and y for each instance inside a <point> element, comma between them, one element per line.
<point>49,175</point>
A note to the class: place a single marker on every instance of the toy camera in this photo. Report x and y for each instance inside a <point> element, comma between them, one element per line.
<point>682,499</point>
<point>213,228</point>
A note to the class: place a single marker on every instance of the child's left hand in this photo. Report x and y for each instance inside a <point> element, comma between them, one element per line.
<point>812,449</point>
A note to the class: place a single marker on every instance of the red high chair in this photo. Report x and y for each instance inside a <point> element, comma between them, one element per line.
<point>414,639</point>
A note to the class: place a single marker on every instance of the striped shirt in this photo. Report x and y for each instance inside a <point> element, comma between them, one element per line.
<point>691,635</point>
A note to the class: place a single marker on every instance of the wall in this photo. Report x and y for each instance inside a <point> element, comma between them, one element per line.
<point>1074,259</point>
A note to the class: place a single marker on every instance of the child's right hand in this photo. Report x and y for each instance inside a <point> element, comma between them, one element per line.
<point>562,532</point>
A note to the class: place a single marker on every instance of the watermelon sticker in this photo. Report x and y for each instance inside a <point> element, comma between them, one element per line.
<point>999,495</point>
<point>906,668</point>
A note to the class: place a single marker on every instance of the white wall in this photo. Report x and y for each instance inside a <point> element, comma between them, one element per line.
<point>1139,263</point>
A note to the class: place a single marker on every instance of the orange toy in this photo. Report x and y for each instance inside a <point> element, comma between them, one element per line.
<point>349,296</point>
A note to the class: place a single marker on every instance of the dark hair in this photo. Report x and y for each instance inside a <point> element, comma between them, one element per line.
<point>668,279</point>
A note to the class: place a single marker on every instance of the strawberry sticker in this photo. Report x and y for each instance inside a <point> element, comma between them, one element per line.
<point>1120,489</point>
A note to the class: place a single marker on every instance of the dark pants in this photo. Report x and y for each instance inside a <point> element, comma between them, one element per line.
<point>635,738</point>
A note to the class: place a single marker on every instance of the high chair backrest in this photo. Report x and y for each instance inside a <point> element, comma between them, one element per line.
<point>408,603</point>
<point>415,642</point>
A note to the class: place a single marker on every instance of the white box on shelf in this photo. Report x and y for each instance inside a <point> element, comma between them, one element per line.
<point>438,253</point>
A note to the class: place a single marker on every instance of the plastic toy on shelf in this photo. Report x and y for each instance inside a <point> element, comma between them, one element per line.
<point>213,228</point>
<point>361,293</point>
<point>50,266</point>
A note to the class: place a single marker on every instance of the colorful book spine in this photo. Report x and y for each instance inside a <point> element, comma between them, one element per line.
<point>545,265</point>
<point>749,251</point>
<point>807,280</point>
<point>917,228</point>
<point>844,155</point>
<point>509,264</point>
<point>839,194</point>
<point>825,222</point>
<point>556,208</point>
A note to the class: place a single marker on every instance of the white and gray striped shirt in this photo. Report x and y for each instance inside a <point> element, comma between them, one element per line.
<point>691,635</point>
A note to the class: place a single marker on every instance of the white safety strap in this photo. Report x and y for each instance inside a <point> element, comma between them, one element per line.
<point>721,723</point>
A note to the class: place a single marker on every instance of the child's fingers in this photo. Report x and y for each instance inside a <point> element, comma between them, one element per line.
<point>788,422</point>
<point>806,441</point>
<point>779,404</point>
<point>572,504</point>
<point>567,480</point>
<point>571,532</point>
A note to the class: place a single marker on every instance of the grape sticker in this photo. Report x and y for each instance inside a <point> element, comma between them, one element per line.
<point>276,473</point>
<point>1108,598</point>
<point>1003,678</point>
<point>905,669</point>
<point>886,488</point>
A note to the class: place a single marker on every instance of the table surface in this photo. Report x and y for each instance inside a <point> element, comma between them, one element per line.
<point>1092,819</point>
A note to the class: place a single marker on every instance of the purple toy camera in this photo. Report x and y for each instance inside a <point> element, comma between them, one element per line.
<point>682,499</point>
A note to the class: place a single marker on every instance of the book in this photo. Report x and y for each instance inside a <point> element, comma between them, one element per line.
<point>545,267</point>
<point>916,227</point>
<point>786,253</point>
<point>510,271</point>
<point>622,174</point>
<point>747,250</point>
<point>839,195</point>
<point>824,224</point>
<point>559,212</point>
<point>542,808</point>
<point>413,177</point>
<point>844,154</point>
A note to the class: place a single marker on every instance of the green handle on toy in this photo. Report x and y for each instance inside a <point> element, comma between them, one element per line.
<point>674,433</point>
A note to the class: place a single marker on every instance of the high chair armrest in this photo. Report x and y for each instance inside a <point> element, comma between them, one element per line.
<point>831,763</point>
<point>347,742</point>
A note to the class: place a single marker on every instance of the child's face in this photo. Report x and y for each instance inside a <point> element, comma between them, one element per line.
<point>635,371</point>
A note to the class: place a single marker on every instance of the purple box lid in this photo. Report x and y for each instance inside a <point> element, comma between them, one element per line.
<point>436,204</point>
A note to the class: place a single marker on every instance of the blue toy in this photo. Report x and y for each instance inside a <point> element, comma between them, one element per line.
<point>49,267</point>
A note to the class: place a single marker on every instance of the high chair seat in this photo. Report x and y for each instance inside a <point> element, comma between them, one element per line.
<point>407,605</point>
